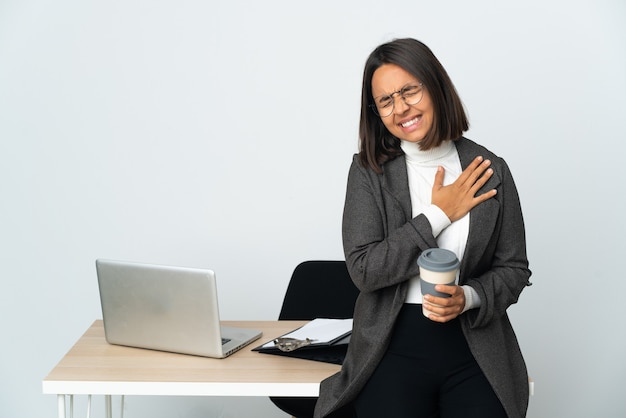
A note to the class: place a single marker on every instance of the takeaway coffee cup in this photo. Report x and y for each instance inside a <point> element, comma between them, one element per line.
<point>437,266</point>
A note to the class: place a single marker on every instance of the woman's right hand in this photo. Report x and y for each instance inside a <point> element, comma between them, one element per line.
<point>458,198</point>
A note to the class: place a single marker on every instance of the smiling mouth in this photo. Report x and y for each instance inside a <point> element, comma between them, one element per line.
<point>411,122</point>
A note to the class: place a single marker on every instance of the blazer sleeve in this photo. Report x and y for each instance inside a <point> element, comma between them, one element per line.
<point>381,240</point>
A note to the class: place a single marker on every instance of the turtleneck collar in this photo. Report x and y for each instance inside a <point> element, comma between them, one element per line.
<point>415,155</point>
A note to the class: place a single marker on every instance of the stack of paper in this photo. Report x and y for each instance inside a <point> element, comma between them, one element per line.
<point>321,331</point>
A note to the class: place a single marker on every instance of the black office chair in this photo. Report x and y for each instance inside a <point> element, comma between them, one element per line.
<point>317,289</point>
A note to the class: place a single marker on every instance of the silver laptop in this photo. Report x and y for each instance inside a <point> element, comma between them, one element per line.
<point>165,308</point>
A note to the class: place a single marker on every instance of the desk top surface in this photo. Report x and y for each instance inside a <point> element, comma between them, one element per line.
<point>93,366</point>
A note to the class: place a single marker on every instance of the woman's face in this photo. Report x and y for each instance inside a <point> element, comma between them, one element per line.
<point>407,122</point>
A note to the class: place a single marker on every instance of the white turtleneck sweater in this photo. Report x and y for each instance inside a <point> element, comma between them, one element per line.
<point>421,168</point>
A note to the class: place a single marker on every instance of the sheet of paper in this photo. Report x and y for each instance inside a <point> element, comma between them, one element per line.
<point>320,330</point>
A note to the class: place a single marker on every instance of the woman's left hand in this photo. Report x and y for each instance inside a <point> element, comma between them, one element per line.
<point>445,309</point>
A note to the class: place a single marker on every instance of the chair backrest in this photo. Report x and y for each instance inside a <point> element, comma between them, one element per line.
<point>319,289</point>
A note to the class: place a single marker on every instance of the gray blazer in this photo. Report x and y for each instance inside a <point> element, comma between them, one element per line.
<point>382,242</point>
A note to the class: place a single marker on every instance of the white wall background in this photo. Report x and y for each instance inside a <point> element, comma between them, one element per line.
<point>219,134</point>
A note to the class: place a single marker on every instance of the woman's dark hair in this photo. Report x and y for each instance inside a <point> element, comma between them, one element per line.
<point>377,144</point>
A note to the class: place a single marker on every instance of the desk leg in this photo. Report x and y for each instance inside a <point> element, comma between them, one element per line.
<point>107,406</point>
<point>88,406</point>
<point>61,406</point>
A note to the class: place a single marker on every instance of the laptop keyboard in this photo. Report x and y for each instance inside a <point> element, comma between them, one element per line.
<point>225,340</point>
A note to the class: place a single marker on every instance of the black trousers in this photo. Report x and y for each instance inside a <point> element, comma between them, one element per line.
<point>428,371</point>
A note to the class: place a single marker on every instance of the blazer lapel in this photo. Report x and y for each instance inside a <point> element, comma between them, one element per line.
<point>482,217</point>
<point>395,181</point>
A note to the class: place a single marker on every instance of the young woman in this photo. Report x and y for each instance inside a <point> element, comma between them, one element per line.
<point>417,183</point>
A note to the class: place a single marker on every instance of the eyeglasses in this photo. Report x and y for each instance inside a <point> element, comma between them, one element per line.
<point>383,105</point>
<point>287,344</point>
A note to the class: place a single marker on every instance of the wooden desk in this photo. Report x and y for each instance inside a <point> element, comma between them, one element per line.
<point>94,367</point>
